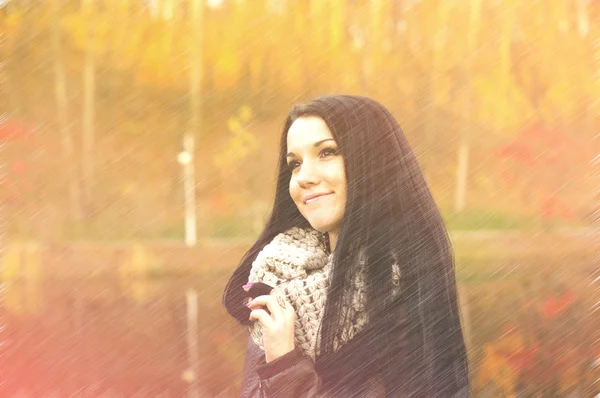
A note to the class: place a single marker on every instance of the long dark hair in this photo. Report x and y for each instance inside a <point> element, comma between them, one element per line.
<point>391,215</point>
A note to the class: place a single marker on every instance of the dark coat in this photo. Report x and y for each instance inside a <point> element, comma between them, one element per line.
<point>291,375</point>
<point>294,375</point>
<point>376,363</point>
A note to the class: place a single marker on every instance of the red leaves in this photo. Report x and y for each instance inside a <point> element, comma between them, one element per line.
<point>553,207</point>
<point>538,146</point>
<point>553,307</point>
<point>11,131</point>
<point>517,151</point>
<point>542,162</point>
<point>18,166</point>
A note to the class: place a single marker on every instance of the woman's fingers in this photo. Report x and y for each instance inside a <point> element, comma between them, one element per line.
<point>269,302</point>
<point>278,326</point>
<point>275,302</point>
<point>261,316</point>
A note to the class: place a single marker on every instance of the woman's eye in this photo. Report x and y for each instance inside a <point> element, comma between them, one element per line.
<point>293,164</point>
<point>329,151</point>
<point>325,152</point>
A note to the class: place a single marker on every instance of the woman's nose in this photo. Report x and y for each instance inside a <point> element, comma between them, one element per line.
<point>308,174</point>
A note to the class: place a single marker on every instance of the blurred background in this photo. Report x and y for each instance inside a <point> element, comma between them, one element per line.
<point>138,144</point>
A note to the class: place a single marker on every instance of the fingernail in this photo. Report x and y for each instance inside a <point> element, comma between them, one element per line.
<point>248,285</point>
<point>248,304</point>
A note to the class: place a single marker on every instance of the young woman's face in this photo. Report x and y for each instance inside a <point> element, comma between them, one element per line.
<point>317,168</point>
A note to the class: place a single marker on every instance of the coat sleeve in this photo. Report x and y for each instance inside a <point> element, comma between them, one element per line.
<point>250,381</point>
<point>294,375</point>
<point>291,375</point>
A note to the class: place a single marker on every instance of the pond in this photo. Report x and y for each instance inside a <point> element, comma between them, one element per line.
<point>98,320</point>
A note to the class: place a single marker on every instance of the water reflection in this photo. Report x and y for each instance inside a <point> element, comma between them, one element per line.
<point>119,332</point>
<point>21,275</point>
<point>122,328</point>
<point>140,274</point>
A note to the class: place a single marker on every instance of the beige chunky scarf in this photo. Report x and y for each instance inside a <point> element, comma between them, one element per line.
<point>296,261</point>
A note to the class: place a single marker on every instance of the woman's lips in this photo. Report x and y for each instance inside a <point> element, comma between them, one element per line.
<point>309,201</point>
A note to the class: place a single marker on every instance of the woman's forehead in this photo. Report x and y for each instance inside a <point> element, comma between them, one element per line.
<point>306,131</point>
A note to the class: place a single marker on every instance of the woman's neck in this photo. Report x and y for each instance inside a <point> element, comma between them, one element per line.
<point>333,237</point>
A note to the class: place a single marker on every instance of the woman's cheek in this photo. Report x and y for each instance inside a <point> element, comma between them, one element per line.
<point>294,192</point>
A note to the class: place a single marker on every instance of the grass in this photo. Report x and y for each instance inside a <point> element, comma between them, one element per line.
<point>478,219</point>
<point>235,226</point>
<point>473,220</point>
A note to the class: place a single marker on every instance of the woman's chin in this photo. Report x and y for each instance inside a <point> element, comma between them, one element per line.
<point>320,226</point>
<point>323,222</point>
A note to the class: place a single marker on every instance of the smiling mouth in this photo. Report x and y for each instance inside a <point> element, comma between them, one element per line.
<point>316,199</point>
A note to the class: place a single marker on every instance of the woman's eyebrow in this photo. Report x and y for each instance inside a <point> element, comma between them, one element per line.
<point>316,144</point>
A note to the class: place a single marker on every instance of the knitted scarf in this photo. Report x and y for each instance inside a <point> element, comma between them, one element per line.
<point>297,262</point>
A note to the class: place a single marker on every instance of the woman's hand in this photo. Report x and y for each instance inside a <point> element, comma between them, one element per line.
<point>278,327</point>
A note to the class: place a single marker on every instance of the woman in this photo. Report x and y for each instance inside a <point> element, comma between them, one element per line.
<point>365,293</point>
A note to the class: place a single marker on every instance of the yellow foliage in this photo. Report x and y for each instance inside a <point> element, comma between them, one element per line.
<point>336,18</point>
<point>22,276</point>
<point>21,261</point>
<point>256,64</point>
<point>75,27</point>
<point>11,263</point>
<point>245,114</point>
<point>502,107</point>
<point>87,32</point>
<point>11,23</point>
<point>241,144</point>
<point>509,49</point>
<point>226,68</point>
<point>234,125</point>
<point>294,77</point>
<point>560,100</point>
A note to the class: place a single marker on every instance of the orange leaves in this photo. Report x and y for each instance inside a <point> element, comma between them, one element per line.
<point>496,369</point>
<point>541,340</point>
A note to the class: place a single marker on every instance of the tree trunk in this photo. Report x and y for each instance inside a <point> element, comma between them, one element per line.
<point>196,365</point>
<point>426,94</point>
<point>426,119</point>
<point>89,93</point>
<point>60,93</point>
<point>460,197</point>
<point>583,23</point>
<point>194,124</point>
